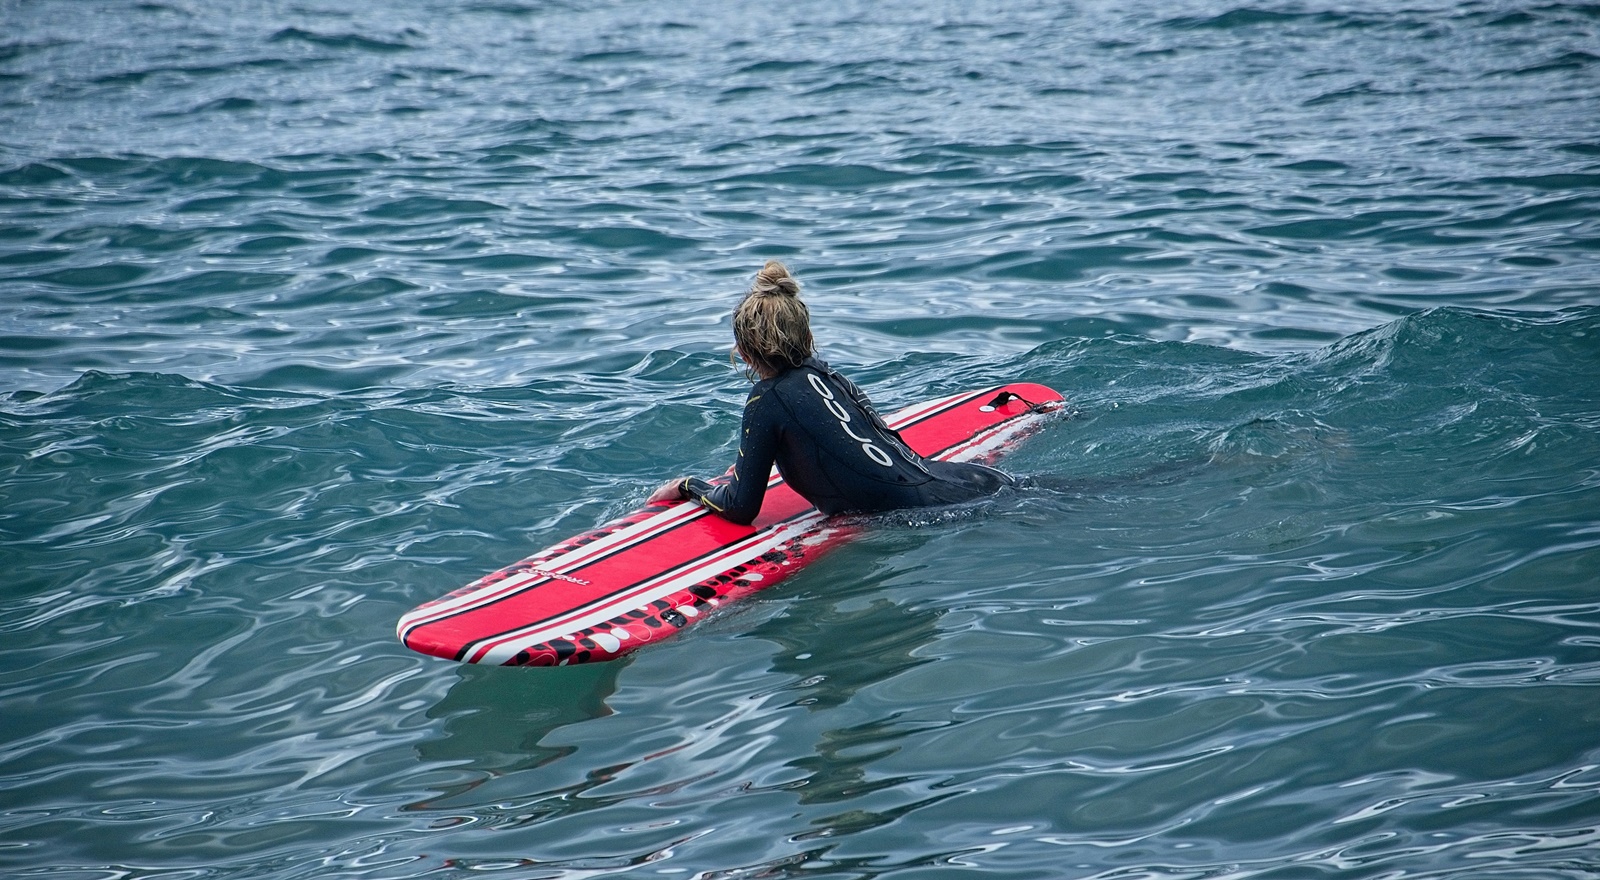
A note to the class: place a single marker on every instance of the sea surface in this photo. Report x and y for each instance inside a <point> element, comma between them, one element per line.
<point>311,312</point>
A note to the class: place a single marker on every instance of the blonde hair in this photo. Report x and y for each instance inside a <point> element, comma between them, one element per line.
<point>771,326</point>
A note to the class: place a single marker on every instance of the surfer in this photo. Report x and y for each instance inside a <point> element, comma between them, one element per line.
<point>822,432</point>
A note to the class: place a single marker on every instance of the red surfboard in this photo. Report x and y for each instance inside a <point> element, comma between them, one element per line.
<point>644,576</point>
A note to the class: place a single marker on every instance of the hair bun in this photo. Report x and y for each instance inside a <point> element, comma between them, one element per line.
<point>774,280</point>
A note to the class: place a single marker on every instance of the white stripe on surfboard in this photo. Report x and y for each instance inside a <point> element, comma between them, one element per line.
<point>558,564</point>
<point>929,408</point>
<point>638,595</point>
<point>502,648</point>
<point>989,440</point>
<point>644,530</point>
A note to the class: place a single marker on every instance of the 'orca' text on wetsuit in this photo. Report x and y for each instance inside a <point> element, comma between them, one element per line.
<point>833,448</point>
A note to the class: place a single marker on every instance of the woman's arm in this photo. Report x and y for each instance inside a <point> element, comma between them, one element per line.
<point>739,499</point>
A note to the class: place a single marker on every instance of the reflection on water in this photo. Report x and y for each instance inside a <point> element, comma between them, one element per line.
<point>494,723</point>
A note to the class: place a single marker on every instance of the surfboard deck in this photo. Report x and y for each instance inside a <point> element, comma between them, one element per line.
<point>644,576</point>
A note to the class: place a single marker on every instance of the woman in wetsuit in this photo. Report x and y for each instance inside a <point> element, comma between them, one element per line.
<point>828,442</point>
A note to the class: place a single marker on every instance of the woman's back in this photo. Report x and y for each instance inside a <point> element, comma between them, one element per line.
<point>831,446</point>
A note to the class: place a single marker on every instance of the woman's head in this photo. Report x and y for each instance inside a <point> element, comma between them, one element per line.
<point>771,326</point>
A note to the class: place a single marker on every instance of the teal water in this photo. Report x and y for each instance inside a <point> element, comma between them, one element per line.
<point>312,312</point>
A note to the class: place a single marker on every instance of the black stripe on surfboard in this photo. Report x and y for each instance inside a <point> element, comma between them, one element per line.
<point>968,439</point>
<point>543,573</point>
<point>740,554</point>
<point>953,402</point>
<point>665,574</point>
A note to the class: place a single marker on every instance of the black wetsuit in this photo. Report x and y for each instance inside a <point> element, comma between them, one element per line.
<point>834,449</point>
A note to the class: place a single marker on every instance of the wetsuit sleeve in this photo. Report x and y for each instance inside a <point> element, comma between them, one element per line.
<point>739,499</point>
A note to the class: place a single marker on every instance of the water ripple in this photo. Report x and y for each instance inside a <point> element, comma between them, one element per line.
<point>310,319</point>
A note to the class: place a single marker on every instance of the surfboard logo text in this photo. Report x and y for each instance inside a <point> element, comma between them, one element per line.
<point>558,576</point>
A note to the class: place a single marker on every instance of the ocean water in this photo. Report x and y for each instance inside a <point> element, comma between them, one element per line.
<point>311,312</point>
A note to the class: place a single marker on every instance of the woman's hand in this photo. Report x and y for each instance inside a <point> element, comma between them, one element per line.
<point>668,493</point>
